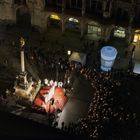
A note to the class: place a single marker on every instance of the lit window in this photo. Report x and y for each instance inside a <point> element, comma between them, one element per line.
<point>73,20</point>
<point>119,32</point>
<point>135,38</point>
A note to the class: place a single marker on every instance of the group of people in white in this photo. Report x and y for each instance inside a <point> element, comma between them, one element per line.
<point>53,83</point>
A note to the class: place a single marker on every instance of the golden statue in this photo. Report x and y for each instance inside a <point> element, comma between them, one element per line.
<point>22,42</point>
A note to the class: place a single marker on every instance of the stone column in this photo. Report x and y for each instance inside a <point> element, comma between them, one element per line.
<point>108,32</point>
<point>23,75</point>
<point>83,7</point>
<point>82,18</point>
<point>82,27</point>
<point>63,24</point>
<point>63,5</point>
<point>22,43</point>
<point>22,61</point>
<point>129,35</point>
<point>103,30</point>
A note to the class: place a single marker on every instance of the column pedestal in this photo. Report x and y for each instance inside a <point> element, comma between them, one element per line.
<point>23,87</point>
<point>23,83</point>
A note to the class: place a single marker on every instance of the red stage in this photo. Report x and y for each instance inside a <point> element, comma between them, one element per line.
<point>50,99</point>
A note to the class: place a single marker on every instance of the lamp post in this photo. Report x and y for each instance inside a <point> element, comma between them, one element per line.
<point>68,52</point>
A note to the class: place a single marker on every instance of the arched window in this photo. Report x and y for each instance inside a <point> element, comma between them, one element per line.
<point>72,24</point>
<point>119,32</point>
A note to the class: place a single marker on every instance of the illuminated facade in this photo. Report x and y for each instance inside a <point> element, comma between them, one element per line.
<point>91,18</point>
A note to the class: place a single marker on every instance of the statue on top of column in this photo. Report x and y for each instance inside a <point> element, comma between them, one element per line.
<point>22,43</point>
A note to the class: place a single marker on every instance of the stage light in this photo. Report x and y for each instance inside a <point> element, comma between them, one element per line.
<point>69,52</point>
<point>46,81</point>
<point>68,81</point>
<point>55,83</point>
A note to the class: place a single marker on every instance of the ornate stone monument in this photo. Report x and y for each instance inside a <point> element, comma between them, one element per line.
<point>23,87</point>
<point>23,83</point>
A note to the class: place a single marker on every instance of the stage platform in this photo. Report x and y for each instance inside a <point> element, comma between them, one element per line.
<point>50,99</point>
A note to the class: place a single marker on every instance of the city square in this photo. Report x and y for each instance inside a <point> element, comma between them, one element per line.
<point>66,71</point>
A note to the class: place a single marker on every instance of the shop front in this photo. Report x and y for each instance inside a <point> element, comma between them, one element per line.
<point>136,39</point>
<point>93,31</point>
<point>119,32</point>
<point>54,20</point>
<point>72,24</point>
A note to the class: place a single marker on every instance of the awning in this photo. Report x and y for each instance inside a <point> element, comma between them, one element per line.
<point>78,57</point>
<point>136,69</point>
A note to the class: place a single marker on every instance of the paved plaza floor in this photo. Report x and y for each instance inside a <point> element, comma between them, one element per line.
<point>79,101</point>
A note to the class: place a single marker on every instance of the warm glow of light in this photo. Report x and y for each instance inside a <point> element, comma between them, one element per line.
<point>56,17</point>
<point>136,38</point>
<point>69,52</point>
<point>137,31</point>
<point>46,81</point>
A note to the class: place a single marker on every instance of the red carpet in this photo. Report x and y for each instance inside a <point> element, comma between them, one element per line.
<point>57,101</point>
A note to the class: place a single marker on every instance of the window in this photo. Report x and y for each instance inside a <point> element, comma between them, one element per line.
<point>119,32</point>
<point>73,20</point>
<point>94,30</point>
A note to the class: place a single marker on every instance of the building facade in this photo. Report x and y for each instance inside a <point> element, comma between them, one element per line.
<point>94,19</point>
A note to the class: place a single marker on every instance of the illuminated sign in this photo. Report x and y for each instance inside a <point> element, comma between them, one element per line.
<point>73,20</point>
<point>108,56</point>
<point>56,17</point>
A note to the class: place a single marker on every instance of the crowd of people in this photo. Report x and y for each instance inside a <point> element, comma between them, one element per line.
<point>111,114</point>
<point>113,111</point>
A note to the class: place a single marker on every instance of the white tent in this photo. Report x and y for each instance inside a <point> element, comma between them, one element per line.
<point>136,57</point>
<point>136,69</point>
<point>78,57</point>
